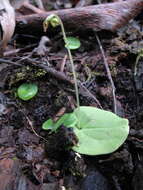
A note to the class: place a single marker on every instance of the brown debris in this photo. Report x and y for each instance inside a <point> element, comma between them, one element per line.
<point>42,48</point>
<point>11,176</point>
<point>8,173</point>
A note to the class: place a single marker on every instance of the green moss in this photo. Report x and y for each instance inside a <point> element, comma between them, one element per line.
<point>40,73</point>
<point>25,73</point>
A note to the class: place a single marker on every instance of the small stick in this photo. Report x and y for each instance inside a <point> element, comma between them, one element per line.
<point>108,73</point>
<point>27,8</point>
<point>88,93</point>
<point>57,74</point>
<point>39,4</point>
<point>60,113</point>
<point>29,122</point>
<point>63,64</point>
<point>32,128</point>
<point>8,62</point>
<point>19,50</point>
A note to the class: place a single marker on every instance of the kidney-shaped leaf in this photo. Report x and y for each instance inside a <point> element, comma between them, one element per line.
<point>26,91</point>
<point>99,131</point>
<point>72,43</point>
<point>48,125</point>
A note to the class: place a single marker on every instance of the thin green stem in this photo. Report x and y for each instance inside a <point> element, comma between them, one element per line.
<point>72,63</point>
<point>57,21</point>
<point>75,78</point>
<point>73,71</point>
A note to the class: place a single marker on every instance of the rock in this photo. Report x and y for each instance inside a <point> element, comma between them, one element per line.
<point>95,181</point>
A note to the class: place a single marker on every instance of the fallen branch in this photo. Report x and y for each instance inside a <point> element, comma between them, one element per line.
<point>110,16</point>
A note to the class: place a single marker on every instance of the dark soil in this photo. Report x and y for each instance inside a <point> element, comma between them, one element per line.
<point>34,159</point>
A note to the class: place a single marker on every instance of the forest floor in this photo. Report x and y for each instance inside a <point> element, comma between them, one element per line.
<point>27,161</point>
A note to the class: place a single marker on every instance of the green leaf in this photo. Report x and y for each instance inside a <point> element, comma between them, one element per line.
<point>99,131</point>
<point>48,125</point>
<point>51,19</point>
<point>72,43</point>
<point>55,22</point>
<point>68,119</point>
<point>27,91</point>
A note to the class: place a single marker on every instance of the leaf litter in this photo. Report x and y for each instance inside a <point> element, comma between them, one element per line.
<point>39,164</point>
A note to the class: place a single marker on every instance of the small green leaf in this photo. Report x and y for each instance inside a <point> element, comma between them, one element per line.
<point>53,20</point>
<point>68,119</point>
<point>48,125</point>
<point>72,43</point>
<point>27,91</point>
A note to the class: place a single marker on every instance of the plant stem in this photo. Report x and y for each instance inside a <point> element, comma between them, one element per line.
<point>73,71</point>
<point>75,78</point>
<point>57,21</point>
<point>72,64</point>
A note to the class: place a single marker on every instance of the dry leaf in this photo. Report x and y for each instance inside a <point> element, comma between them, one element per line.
<point>7,22</point>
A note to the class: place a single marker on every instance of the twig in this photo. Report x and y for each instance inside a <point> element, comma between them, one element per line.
<point>8,62</point>
<point>57,74</point>
<point>19,50</point>
<point>27,8</point>
<point>108,73</point>
<point>29,122</point>
<point>140,55</point>
<point>63,64</point>
<point>88,93</point>
<point>40,4</point>
<point>83,3</point>
<point>23,111</point>
<point>32,128</point>
<point>59,114</point>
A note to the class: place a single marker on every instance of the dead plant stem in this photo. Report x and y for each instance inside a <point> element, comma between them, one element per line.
<point>108,73</point>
